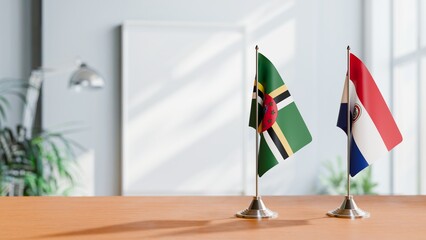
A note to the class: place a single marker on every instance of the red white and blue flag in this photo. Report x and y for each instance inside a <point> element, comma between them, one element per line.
<point>374,131</point>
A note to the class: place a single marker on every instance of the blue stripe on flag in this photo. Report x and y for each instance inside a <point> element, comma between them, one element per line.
<point>358,161</point>
<point>342,120</point>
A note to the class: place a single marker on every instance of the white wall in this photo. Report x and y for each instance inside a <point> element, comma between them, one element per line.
<point>15,48</point>
<point>306,40</point>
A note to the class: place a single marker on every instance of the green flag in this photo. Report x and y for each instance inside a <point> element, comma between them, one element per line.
<point>281,127</point>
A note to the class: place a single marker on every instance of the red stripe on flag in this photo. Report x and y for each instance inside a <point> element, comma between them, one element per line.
<point>372,99</point>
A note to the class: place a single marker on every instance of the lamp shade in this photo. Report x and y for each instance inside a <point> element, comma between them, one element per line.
<point>86,77</point>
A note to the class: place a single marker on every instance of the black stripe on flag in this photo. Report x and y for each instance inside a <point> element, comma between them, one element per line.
<point>261,114</point>
<point>282,96</point>
<point>259,92</point>
<point>277,142</point>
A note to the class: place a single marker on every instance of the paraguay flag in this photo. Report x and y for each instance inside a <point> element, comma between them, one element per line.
<point>374,131</point>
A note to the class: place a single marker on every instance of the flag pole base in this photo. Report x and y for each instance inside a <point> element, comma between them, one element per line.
<point>348,209</point>
<point>257,209</point>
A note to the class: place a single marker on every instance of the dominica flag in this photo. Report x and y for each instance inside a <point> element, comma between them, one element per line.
<point>281,127</point>
<point>374,131</point>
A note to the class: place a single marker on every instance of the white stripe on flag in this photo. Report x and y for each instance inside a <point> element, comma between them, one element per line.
<point>352,93</point>
<point>259,99</point>
<point>367,136</point>
<point>272,146</point>
<point>344,95</point>
<point>285,102</point>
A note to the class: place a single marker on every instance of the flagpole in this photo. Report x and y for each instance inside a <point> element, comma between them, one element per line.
<point>349,121</point>
<point>257,125</point>
<point>348,209</point>
<point>257,208</point>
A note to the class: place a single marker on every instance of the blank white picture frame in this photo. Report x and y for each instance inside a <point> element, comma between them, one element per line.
<point>183,109</point>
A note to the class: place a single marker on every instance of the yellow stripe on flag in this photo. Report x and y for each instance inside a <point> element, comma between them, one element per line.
<point>261,88</point>
<point>282,138</point>
<point>278,91</point>
<point>259,128</point>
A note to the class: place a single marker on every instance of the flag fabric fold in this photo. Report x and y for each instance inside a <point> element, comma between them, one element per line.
<point>374,131</point>
<point>281,127</point>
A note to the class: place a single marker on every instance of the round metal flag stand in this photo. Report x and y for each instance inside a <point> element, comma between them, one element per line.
<point>349,209</point>
<point>257,209</point>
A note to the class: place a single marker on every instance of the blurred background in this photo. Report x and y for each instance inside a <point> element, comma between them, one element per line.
<point>172,115</point>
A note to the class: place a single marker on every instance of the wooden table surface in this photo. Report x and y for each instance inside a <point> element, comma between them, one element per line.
<point>301,217</point>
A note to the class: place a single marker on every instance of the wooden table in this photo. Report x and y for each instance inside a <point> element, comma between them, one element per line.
<point>301,217</point>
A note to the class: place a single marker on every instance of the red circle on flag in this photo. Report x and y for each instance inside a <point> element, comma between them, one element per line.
<point>270,112</point>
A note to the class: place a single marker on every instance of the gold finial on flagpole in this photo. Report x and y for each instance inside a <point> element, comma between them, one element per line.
<point>348,209</point>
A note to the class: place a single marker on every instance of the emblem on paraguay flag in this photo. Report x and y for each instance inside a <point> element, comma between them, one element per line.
<point>374,131</point>
<point>281,127</point>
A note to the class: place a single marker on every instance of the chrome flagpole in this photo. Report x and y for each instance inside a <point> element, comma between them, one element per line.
<point>257,208</point>
<point>348,209</point>
<point>257,122</point>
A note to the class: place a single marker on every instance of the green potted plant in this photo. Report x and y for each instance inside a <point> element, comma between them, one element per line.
<point>35,165</point>
<point>333,180</point>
